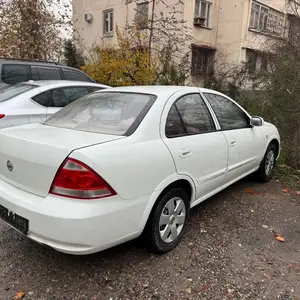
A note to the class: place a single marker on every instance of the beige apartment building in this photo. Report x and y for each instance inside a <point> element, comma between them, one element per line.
<point>235,30</point>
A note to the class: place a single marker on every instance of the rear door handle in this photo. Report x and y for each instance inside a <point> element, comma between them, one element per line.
<point>185,153</point>
<point>233,143</point>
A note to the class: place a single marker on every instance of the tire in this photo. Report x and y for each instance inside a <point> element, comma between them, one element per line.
<point>266,168</point>
<point>165,227</point>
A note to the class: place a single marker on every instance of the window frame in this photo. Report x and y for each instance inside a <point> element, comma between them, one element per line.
<point>209,111</point>
<point>256,18</point>
<point>198,7</point>
<point>232,101</point>
<point>204,54</point>
<point>110,20</point>
<point>266,19</point>
<point>143,15</point>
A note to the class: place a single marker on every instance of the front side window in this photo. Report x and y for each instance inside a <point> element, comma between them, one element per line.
<point>229,115</point>
<point>104,112</point>
<point>108,22</point>
<point>15,73</point>
<point>10,91</point>
<point>189,115</point>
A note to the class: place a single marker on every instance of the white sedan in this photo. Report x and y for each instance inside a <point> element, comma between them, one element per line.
<point>125,162</point>
<point>35,101</point>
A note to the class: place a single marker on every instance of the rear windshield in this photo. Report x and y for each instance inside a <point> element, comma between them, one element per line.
<point>104,112</point>
<point>10,91</point>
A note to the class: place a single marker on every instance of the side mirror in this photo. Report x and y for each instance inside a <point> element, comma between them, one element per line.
<point>256,121</point>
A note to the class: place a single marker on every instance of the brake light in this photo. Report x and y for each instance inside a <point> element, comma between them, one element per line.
<point>2,116</point>
<point>75,179</point>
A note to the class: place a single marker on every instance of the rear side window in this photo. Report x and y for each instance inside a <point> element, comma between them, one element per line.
<point>65,96</point>
<point>117,113</point>
<point>174,124</point>
<point>61,97</point>
<point>75,75</point>
<point>45,73</point>
<point>10,91</point>
<point>44,98</point>
<point>189,115</point>
<point>14,73</point>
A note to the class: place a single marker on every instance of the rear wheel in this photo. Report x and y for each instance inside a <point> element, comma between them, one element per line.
<point>168,220</point>
<point>265,171</point>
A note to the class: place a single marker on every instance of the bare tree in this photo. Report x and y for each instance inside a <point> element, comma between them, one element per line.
<point>280,100</point>
<point>167,37</point>
<point>32,29</point>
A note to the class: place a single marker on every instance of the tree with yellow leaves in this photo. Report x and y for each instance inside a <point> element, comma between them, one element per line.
<point>128,63</point>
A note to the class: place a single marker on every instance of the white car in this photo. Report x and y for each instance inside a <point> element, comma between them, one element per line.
<point>35,101</point>
<point>125,162</point>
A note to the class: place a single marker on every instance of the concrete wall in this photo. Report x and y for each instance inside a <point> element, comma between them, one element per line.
<point>228,30</point>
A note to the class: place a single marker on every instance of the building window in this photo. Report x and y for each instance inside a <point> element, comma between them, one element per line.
<point>294,29</point>
<point>202,10</point>
<point>256,61</point>
<point>202,60</point>
<point>266,19</point>
<point>141,16</point>
<point>251,60</point>
<point>108,22</point>
<point>275,22</point>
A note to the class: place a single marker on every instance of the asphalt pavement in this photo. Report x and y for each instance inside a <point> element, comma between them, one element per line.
<point>229,252</point>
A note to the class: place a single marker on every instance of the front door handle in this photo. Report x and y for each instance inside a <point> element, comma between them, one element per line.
<point>185,153</point>
<point>233,143</point>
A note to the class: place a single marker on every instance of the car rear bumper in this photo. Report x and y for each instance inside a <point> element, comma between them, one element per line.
<point>76,226</point>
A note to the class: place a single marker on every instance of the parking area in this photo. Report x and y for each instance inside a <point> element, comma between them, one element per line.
<point>229,252</point>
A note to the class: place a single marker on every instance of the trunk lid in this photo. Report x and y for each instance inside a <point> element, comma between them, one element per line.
<point>30,155</point>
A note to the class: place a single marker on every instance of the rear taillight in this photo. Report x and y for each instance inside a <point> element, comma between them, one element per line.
<point>76,180</point>
<point>2,116</point>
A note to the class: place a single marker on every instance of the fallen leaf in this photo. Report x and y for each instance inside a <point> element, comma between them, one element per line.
<point>280,238</point>
<point>19,295</point>
<point>285,190</point>
<point>188,290</point>
<point>250,191</point>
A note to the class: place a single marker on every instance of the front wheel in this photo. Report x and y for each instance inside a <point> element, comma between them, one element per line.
<point>265,171</point>
<point>168,220</point>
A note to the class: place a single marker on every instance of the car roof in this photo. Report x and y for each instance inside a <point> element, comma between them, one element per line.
<point>35,62</point>
<point>160,90</point>
<point>63,83</point>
